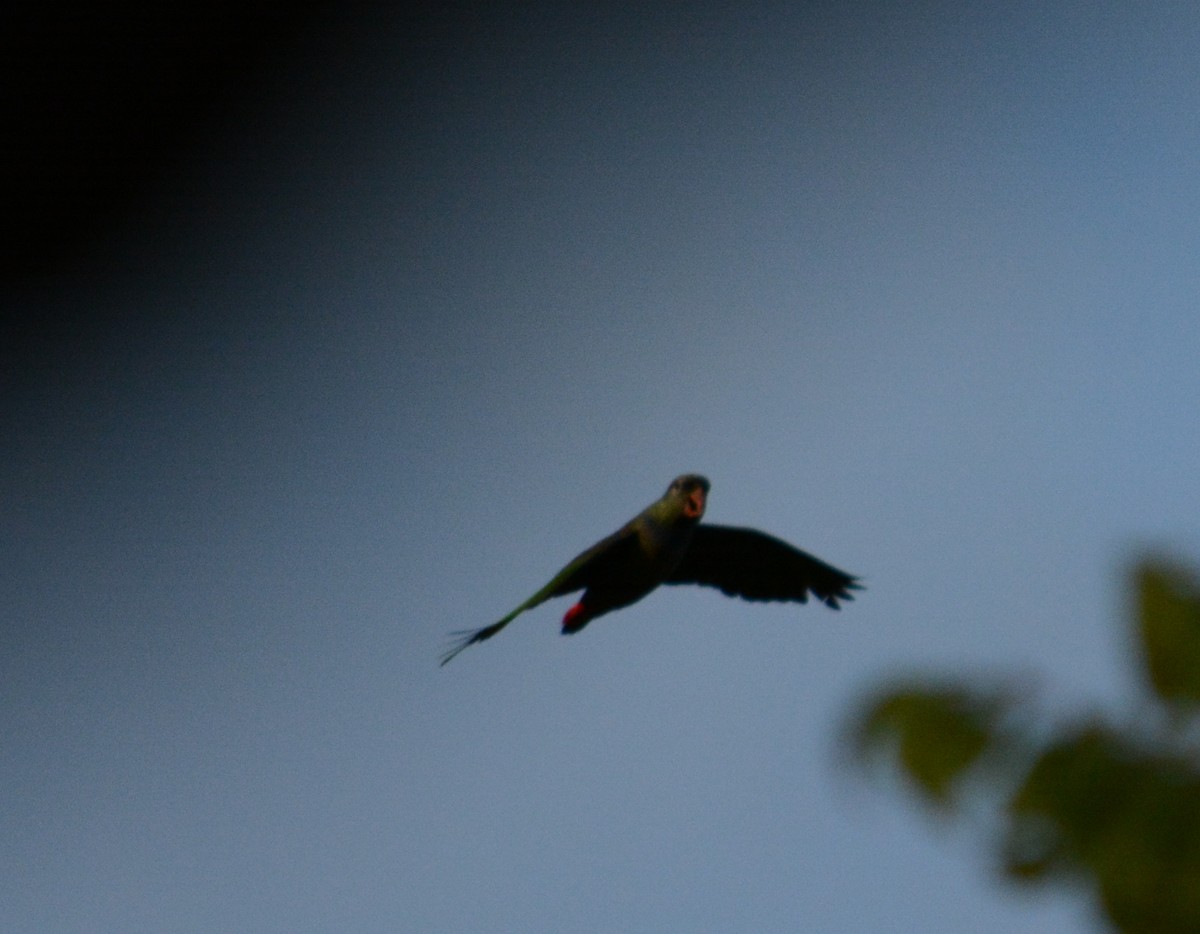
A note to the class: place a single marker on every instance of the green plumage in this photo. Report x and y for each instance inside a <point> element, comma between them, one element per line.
<point>665,544</point>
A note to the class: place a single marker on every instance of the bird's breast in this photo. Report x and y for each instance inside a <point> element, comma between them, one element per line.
<point>664,548</point>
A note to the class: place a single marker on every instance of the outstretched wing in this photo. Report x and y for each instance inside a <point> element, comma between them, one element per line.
<point>752,565</point>
<point>598,561</point>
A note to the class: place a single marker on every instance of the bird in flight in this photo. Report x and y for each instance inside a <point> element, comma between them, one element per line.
<point>666,544</point>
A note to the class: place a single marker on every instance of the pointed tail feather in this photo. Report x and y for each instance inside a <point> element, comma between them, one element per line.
<point>471,636</point>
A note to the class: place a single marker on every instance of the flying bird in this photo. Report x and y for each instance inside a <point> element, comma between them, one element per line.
<point>666,544</point>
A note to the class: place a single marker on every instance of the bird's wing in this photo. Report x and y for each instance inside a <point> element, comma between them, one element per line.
<point>597,561</point>
<point>755,566</point>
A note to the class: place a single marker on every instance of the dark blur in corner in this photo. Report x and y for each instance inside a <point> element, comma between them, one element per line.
<point>102,100</point>
<point>108,109</point>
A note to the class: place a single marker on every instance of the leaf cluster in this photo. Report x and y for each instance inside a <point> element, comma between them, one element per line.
<point>1114,807</point>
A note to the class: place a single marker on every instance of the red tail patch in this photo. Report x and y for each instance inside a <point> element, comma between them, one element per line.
<point>577,617</point>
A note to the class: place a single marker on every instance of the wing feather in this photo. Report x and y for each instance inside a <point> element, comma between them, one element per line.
<point>752,565</point>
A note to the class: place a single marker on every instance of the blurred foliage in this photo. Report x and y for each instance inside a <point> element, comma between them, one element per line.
<point>936,734</point>
<point>1115,807</point>
<point>1169,631</point>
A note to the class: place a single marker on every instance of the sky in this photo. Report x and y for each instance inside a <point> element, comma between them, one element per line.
<point>450,297</point>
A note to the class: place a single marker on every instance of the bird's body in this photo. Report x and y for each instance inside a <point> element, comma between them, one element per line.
<point>666,544</point>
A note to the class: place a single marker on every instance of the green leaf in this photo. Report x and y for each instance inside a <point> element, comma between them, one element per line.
<point>1098,804</point>
<point>1114,810</point>
<point>936,734</point>
<point>1169,624</point>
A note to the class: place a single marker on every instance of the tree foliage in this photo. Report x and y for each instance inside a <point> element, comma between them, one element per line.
<point>1113,806</point>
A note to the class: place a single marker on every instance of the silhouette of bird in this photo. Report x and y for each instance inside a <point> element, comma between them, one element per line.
<point>666,544</point>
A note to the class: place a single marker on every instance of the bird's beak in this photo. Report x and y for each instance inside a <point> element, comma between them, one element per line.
<point>693,506</point>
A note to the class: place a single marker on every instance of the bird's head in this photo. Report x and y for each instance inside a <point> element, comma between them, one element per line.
<point>688,493</point>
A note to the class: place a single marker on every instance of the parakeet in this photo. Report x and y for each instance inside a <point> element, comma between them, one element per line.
<point>666,544</point>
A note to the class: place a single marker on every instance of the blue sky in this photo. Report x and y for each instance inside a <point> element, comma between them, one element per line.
<point>915,289</point>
